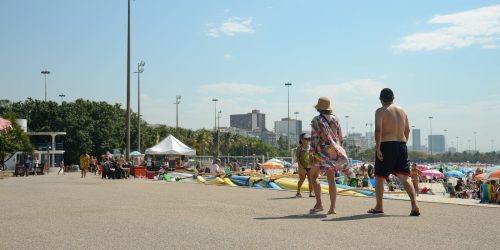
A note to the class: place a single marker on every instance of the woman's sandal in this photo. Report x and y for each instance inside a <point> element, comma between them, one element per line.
<point>332,211</point>
<point>315,210</point>
<point>373,211</point>
<point>415,212</point>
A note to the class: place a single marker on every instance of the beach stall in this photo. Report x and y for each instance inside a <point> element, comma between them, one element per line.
<point>172,149</point>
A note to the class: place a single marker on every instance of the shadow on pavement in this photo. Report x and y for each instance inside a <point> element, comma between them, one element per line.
<point>283,198</point>
<point>362,217</point>
<point>295,216</point>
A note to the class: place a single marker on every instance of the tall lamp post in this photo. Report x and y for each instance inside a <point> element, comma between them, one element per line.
<point>475,141</point>
<point>45,73</point>
<point>62,96</point>
<point>347,127</point>
<point>288,119</point>
<point>296,125</point>
<point>177,102</point>
<point>457,145</point>
<point>140,69</point>
<point>430,137</point>
<point>218,129</point>
<point>127,151</point>
<point>215,120</point>
<point>445,139</point>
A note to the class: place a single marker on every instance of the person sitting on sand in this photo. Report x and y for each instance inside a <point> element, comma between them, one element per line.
<point>216,170</point>
<point>414,177</point>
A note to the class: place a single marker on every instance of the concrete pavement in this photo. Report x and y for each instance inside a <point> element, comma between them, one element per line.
<point>67,212</point>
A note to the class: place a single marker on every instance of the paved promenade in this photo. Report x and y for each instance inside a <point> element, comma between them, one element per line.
<point>67,212</point>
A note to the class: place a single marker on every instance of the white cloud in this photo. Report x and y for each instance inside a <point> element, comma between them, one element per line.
<point>489,46</point>
<point>228,56</point>
<point>232,26</point>
<point>465,29</point>
<point>356,88</point>
<point>234,88</point>
<point>212,31</point>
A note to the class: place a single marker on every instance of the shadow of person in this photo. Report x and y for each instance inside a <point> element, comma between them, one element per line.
<point>362,217</point>
<point>283,198</point>
<point>294,217</point>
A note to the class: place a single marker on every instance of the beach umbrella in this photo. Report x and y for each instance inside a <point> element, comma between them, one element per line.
<point>492,175</point>
<point>454,174</point>
<point>275,161</point>
<point>432,173</point>
<point>489,170</point>
<point>479,177</point>
<point>5,124</point>
<point>465,170</point>
<point>286,163</point>
<point>271,165</point>
<point>422,167</point>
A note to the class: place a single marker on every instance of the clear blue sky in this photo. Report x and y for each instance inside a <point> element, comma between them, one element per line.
<point>440,58</point>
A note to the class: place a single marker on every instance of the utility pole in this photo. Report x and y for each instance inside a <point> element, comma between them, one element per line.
<point>177,102</point>
<point>288,116</point>
<point>140,69</point>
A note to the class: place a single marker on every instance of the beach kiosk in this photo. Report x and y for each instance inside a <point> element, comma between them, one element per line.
<point>171,148</point>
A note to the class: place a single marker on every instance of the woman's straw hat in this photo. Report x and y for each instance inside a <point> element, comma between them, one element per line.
<point>323,104</point>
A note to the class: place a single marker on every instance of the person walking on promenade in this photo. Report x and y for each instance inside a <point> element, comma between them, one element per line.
<point>84,164</point>
<point>414,177</point>
<point>302,156</point>
<point>27,165</point>
<point>326,152</point>
<point>392,131</point>
<point>61,167</point>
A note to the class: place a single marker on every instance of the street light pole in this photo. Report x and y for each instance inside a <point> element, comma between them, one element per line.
<point>127,152</point>
<point>140,69</point>
<point>475,141</point>
<point>215,118</point>
<point>457,145</point>
<point>288,119</point>
<point>296,125</point>
<point>445,138</point>
<point>177,102</point>
<point>62,96</point>
<point>347,127</point>
<point>45,73</point>
<point>430,137</point>
<point>218,129</point>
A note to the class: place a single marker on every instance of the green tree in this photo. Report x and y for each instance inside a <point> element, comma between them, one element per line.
<point>14,140</point>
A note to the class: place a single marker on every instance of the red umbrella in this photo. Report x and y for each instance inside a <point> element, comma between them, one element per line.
<point>5,124</point>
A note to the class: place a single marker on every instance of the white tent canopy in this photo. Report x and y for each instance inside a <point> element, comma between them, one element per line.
<point>170,146</point>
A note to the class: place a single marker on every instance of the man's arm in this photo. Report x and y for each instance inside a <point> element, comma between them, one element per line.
<point>378,133</point>
<point>407,128</point>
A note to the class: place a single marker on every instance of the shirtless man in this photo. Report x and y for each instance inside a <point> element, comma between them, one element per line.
<point>391,134</point>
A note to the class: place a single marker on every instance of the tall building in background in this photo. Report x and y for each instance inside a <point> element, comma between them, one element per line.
<point>437,142</point>
<point>281,129</point>
<point>415,134</point>
<point>254,121</point>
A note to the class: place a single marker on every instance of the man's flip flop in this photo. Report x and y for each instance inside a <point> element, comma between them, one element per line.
<point>415,212</point>
<point>373,211</point>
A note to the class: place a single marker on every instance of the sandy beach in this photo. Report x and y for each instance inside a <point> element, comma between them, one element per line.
<point>67,212</point>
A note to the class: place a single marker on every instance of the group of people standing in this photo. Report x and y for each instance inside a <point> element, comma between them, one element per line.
<point>323,152</point>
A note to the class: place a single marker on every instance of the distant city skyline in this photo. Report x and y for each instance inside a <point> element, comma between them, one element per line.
<point>440,58</point>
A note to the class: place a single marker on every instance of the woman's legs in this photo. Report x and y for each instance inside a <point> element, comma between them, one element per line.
<point>317,188</point>
<point>310,182</point>
<point>332,189</point>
